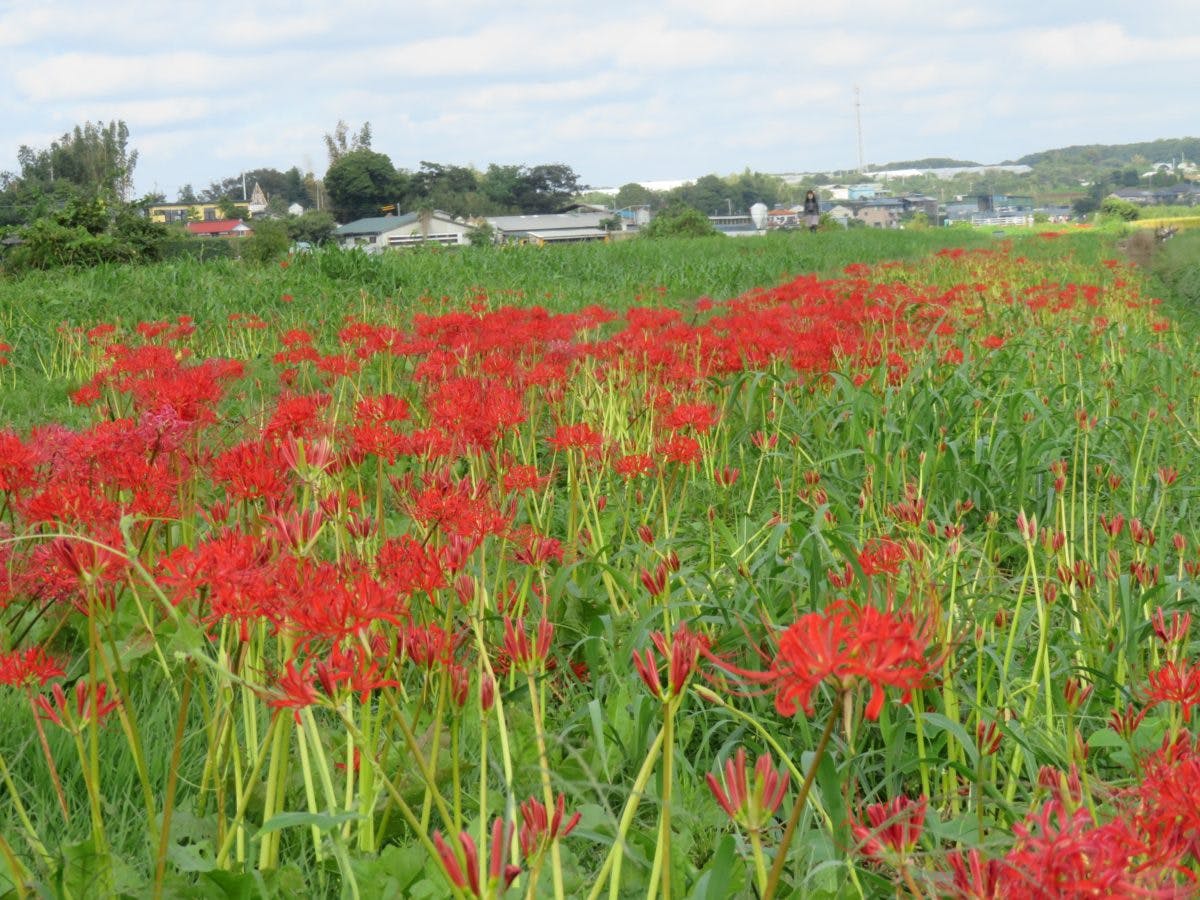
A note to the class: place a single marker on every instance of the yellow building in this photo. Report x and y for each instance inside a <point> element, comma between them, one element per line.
<point>192,212</point>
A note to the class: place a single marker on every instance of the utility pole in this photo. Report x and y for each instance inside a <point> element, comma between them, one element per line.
<point>858,123</point>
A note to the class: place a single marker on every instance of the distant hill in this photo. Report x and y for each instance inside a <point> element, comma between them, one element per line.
<point>1111,155</point>
<point>931,162</point>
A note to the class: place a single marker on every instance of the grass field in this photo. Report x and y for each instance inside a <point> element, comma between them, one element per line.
<point>849,564</point>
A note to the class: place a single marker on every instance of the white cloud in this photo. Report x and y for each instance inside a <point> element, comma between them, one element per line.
<point>72,76</point>
<point>1104,44</point>
<point>150,114</point>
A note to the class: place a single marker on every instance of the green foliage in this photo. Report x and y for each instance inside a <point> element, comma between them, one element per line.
<point>268,242</point>
<point>362,181</point>
<point>314,227</point>
<point>88,233</point>
<point>482,235</point>
<point>1116,208</point>
<point>288,187</point>
<point>679,221</point>
<point>94,158</point>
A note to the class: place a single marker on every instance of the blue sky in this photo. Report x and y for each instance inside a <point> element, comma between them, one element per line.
<point>620,91</point>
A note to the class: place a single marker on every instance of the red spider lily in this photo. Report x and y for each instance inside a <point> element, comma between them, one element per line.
<point>1176,632</point>
<point>524,478</point>
<point>298,530</point>
<point>892,829</point>
<point>539,829</point>
<point>655,582</point>
<point>528,656</point>
<point>1175,683</point>
<point>726,476</point>
<point>537,549</point>
<point>881,556</point>
<point>975,878</point>
<point>16,462</point>
<point>579,436</point>
<point>462,865</point>
<point>987,738</point>
<point>750,805</point>
<point>294,689</point>
<point>88,710</point>
<point>1066,854</point>
<point>681,654</point>
<point>699,417</point>
<point>680,449</point>
<point>27,668</point>
<point>850,645</point>
<point>634,465</point>
<point>306,457</point>
<point>353,668</point>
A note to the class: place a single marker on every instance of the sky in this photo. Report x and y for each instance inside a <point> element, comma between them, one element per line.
<point>620,91</point>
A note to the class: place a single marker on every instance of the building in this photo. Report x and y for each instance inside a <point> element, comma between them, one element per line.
<point>880,214</point>
<point>556,228</point>
<point>219,228</point>
<point>384,232</point>
<point>167,213</point>
<point>991,209</point>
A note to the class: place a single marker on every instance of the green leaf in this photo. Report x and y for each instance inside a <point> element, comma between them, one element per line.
<point>323,821</point>
<point>714,883</point>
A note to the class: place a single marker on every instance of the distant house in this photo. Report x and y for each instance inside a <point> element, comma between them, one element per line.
<point>190,212</point>
<point>839,212</point>
<point>219,228</point>
<point>877,215</point>
<point>295,209</point>
<point>991,209</point>
<point>784,218</point>
<point>553,228</point>
<point>920,203</point>
<point>383,232</point>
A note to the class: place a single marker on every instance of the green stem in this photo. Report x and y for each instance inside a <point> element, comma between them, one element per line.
<point>801,799</point>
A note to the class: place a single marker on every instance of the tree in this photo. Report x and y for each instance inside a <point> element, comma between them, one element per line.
<point>679,220</point>
<point>540,189</point>
<point>339,142</point>
<point>362,181</point>
<point>548,188</point>
<point>229,209</point>
<point>187,194</point>
<point>445,187</point>
<point>288,186</point>
<point>312,227</point>
<point>268,242</point>
<point>633,195</point>
<point>94,158</point>
<point>1116,208</point>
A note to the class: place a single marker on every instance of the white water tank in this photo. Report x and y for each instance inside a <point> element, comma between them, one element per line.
<point>758,215</point>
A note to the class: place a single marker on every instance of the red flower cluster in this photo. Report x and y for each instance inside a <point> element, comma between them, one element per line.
<point>850,645</point>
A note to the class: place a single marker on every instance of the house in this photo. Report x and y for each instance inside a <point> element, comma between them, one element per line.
<point>839,212</point>
<point>295,209</point>
<point>382,232</point>
<point>167,213</point>
<point>920,203</point>
<point>880,215</point>
<point>554,228</point>
<point>219,228</point>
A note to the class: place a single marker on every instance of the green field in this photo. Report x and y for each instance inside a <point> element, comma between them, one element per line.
<point>336,578</point>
